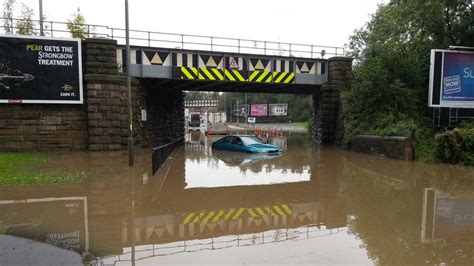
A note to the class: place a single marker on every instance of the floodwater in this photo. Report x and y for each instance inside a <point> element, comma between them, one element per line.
<point>308,205</point>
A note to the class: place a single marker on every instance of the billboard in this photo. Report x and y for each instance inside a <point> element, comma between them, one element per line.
<point>446,217</point>
<point>451,79</point>
<point>241,110</point>
<point>278,109</point>
<point>61,222</point>
<point>259,110</point>
<point>40,70</point>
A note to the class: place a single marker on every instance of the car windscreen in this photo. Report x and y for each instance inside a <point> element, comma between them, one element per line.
<point>251,140</point>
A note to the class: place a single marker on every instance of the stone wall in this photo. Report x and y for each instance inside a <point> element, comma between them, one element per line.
<point>42,127</point>
<point>328,115</point>
<point>390,147</point>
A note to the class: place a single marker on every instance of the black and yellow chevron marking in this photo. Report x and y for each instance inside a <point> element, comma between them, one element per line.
<point>211,217</point>
<point>283,77</point>
<point>235,75</point>
<point>260,76</point>
<point>211,73</point>
<point>276,210</point>
<point>201,73</point>
<point>188,73</point>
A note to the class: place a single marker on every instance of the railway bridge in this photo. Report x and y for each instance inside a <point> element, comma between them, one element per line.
<point>162,69</point>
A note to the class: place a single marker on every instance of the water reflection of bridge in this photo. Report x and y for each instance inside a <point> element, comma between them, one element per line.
<point>167,213</point>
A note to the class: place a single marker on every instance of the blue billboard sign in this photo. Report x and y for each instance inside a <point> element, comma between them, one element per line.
<point>452,79</point>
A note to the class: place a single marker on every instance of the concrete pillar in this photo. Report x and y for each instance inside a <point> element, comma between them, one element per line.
<point>329,126</point>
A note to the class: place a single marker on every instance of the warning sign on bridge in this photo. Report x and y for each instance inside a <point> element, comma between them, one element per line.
<point>40,70</point>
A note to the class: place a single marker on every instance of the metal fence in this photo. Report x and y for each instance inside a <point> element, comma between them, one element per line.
<point>161,153</point>
<point>187,41</point>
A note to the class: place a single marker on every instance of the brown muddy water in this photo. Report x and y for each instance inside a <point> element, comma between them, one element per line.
<point>319,206</point>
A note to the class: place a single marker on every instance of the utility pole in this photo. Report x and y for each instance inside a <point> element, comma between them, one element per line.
<point>41,17</point>
<point>246,113</point>
<point>130,114</point>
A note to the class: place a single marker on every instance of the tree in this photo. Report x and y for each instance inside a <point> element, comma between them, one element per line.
<point>25,25</point>
<point>76,25</point>
<point>392,59</point>
<point>8,16</point>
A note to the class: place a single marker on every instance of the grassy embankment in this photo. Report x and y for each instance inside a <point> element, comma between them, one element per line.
<point>22,169</point>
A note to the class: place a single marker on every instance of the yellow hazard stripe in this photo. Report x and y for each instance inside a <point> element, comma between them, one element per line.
<point>208,74</point>
<point>278,210</point>
<point>269,211</point>
<point>188,218</point>
<point>217,73</point>
<point>264,74</point>
<point>218,216</point>
<point>286,208</point>
<point>237,74</point>
<point>209,216</point>
<point>290,77</point>
<point>269,79</point>
<point>251,212</point>
<point>282,75</point>
<point>229,213</point>
<point>239,212</point>
<point>229,76</point>
<point>195,71</point>
<point>252,76</point>
<point>186,73</point>
<point>261,212</point>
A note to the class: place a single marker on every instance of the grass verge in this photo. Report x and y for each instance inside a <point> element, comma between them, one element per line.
<point>22,169</point>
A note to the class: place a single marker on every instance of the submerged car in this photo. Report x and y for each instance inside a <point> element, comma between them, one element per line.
<point>244,143</point>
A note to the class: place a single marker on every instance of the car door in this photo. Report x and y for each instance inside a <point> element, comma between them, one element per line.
<point>226,143</point>
<point>237,144</point>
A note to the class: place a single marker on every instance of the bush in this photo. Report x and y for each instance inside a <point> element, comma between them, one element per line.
<point>389,126</point>
<point>455,146</point>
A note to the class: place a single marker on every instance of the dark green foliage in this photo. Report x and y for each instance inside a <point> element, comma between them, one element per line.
<point>455,146</point>
<point>388,94</point>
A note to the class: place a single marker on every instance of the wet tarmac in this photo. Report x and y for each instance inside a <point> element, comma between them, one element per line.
<point>308,205</point>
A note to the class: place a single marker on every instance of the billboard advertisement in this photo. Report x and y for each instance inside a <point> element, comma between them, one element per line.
<point>278,109</point>
<point>451,79</point>
<point>40,70</point>
<point>241,110</point>
<point>259,110</point>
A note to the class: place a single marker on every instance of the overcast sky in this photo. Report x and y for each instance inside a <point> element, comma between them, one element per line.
<point>299,21</point>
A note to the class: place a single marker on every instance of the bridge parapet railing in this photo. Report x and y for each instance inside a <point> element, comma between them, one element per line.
<point>183,41</point>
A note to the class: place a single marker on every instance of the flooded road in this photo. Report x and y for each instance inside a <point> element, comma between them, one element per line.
<point>306,205</point>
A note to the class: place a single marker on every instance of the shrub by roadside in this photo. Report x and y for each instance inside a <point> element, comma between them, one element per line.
<point>456,146</point>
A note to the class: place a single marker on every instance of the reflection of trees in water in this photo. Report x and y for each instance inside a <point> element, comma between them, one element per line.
<point>388,217</point>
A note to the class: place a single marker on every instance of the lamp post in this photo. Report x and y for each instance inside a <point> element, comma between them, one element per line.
<point>127,65</point>
<point>41,17</point>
